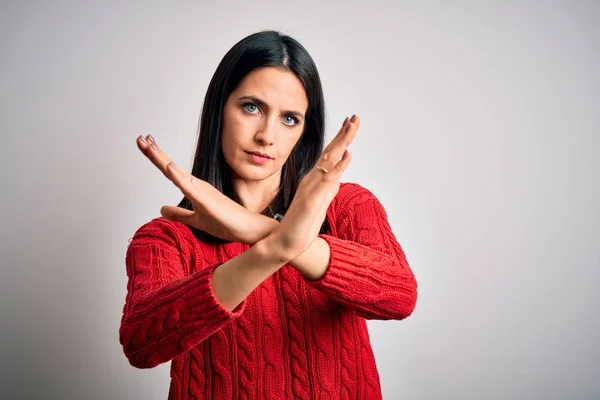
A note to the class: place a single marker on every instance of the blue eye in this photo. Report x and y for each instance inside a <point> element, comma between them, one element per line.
<point>294,121</point>
<point>250,107</point>
<point>290,119</point>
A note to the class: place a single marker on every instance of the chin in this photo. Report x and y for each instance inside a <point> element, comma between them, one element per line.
<point>251,173</point>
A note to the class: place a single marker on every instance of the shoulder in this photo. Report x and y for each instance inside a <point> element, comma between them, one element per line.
<point>352,194</point>
<point>161,230</point>
<point>354,201</point>
<point>160,225</point>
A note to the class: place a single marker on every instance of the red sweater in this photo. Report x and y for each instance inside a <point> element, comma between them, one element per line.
<point>291,338</point>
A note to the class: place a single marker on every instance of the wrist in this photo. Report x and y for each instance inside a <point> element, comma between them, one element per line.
<point>273,248</point>
<point>314,261</point>
<point>264,226</point>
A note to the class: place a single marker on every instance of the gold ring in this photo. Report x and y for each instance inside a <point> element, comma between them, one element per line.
<point>322,169</point>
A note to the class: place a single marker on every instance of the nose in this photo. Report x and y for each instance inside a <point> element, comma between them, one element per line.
<point>265,135</point>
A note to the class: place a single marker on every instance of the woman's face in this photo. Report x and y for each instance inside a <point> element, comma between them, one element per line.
<point>265,115</point>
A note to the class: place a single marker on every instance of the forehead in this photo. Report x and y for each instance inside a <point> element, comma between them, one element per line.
<point>275,86</point>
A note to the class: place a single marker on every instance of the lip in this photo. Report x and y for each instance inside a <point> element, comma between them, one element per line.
<point>257,159</point>
<point>259,154</point>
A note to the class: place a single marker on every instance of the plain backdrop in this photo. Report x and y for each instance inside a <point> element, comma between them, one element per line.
<point>479,135</point>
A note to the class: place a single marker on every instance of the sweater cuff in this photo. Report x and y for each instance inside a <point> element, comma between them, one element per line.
<point>197,315</point>
<point>349,269</point>
<point>202,301</point>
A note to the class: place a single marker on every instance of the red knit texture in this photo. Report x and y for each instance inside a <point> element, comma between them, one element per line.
<point>292,337</point>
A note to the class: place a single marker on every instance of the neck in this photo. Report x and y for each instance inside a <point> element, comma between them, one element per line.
<point>257,195</point>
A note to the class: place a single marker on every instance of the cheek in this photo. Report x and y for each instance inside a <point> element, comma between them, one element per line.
<point>231,133</point>
<point>287,145</point>
<point>230,122</point>
<point>225,139</point>
<point>228,145</point>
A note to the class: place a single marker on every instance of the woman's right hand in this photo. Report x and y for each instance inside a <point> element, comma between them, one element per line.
<point>213,212</point>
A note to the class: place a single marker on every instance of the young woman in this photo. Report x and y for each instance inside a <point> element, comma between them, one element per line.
<point>259,283</point>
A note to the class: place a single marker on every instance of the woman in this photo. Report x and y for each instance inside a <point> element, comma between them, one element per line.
<point>245,303</point>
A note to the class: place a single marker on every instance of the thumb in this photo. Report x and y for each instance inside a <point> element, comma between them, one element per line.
<point>177,214</point>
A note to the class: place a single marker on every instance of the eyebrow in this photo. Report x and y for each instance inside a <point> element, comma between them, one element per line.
<point>265,105</point>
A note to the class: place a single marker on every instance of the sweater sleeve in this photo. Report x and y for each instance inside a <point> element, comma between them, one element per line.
<point>167,312</point>
<point>368,270</point>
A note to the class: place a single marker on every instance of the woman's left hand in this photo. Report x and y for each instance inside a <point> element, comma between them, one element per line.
<point>303,219</point>
<point>217,214</point>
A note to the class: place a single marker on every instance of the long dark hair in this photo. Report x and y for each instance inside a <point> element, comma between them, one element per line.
<point>261,49</point>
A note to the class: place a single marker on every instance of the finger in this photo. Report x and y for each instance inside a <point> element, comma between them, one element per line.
<point>185,182</point>
<point>177,214</point>
<point>335,150</point>
<point>150,148</point>
<point>337,136</point>
<point>154,153</point>
<point>346,132</point>
<point>343,164</point>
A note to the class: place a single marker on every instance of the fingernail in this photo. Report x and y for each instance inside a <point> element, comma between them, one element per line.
<point>345,122</point>
<point>151,139</point>
<point>143,140</point>
<point>347,128</point>
<point>353,118</point>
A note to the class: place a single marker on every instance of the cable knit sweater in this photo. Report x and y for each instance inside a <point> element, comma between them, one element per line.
<point>292,337</point>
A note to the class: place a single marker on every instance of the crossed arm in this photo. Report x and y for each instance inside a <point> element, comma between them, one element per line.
<point>362,266</point>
